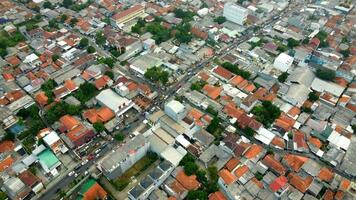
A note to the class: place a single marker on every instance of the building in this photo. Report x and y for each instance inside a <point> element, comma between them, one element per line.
<point>235,13</point>
<point>119,105</point>
<point>49,162</point>
<point>91,190</point>
<point>128,14</point>
<point>120,160</point>
<point>175,110</point>
<point>16,189</point>
<point>283,62</point>
<point>53,141</point>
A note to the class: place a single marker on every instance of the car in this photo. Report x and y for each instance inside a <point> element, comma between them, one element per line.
<point>90,157</point>
<point>77,167</point>
<point>86,173</point>
<point>71,173</point>
<point>84,162</point>
<point>75,175</point>
<point>97,151</point>
<point>97,155</point>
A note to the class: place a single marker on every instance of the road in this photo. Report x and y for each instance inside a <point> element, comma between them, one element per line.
<point>170,92</point>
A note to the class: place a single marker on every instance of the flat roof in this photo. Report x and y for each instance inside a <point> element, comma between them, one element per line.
<point>48,158</point>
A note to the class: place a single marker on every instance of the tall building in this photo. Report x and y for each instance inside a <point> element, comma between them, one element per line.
<point>235,13</point>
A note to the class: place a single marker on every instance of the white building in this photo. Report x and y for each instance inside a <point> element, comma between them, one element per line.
<point>118,104</point>
<point>175,110</point>
<point>283,62</point>
<point>235,13</point>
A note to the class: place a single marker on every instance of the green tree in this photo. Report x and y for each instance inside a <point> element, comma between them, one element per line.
<point>3,195</point>
<point>235,69</point>
<point>266,113</point>
<point>305,41</point>
<point>47,4</point>
<point>107,61</point>
<point>345,53</point>
<point>215,127</point>
<point>99,127</point>
<point>100,38</point>
<point>109,74</point>
<point>157,74</point>
<point>119,137</point>
<point>325,74</point>
<point>198,85</point>
<point>73,21</point>
<point>258,176</point>
<point>197,195</point>
<point>283,77</point>
<point>84,42</point>
<point>67,3</point>
<point>249,132</point>
<point>190,168</point>
<point>64,17</point>
<point>55,57</point>
<point>187,158</point>
<point>313,96</point>
<point>220,19</point>
<point>186,16</point>
<point>292,43</point>
<point>91,49</point>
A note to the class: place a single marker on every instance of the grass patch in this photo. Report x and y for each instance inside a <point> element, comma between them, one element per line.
<point>121,182</point>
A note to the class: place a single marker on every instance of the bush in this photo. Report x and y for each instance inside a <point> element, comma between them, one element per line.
<point>119,137</point>
<point>266,113</point>
<point>157,74</point>
<point>220,19</point>
<point>91,49</point>
<point>292,43</point>
<point>85,92</point>
<point>198,85</point>
<point>313,96</point>
<point>235,69</point>
<point>55,57</point>
<point>283,77</point>
<point>99,127</point>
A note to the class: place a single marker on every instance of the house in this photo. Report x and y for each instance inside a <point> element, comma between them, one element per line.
<point>41,99</point>
<point>31,180</point>
<point>91,190</point>
<point>16,189</point>
<point>117,162</point>
<point>53,141</point>
<point>128,14</point>
<point>283,62</point>
<point>119,105</point>
<point>175,110</point>
<point>222,73</point>
<point>48,161</point>
<point>279,186</point>
<point>103,114</point>
<point>102,82</point>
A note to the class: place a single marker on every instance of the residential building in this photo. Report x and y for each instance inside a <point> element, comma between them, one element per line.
<point>235,13</point>
<point>175,110</point>
<point>118,104</point>
<point>128,14</point>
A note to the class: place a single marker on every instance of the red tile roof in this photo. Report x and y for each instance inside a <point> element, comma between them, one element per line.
<point>70,85</point>
<point>41,98</point>
<point>28,178</point>
<point>95,192</point>
<point>227,176</point>
<point>103,114</point>
<point>6,163</point>
<point>217,196</point>
<point>295,162</point>
<point>241,171</point>
<point>126,12</point>
<point>6,145</point>
<point>101,82</point>
<point>344,184</point>
<point>278,183</point>
<point>253,151</point>
<point>226,74</point>
<point>325,174</point>
<point>274,164</point>
<point>69,122</point>
<point>188,182</point>
<point>298,182</point>
<point>212,91</point>
<point>233,162</point>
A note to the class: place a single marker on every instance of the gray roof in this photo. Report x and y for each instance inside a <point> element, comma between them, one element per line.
<point>156,174</point>
<point>311,167</point>
<point>146,182</point>
<point>165,165</point>
<point>204,137</point>
<point>301,75</point>
<point>137,191</point>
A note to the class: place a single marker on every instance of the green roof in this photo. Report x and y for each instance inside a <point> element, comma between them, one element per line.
<point>48,158</point>
<point>87,185</point>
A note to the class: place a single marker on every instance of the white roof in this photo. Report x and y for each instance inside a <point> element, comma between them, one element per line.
<point>30,58</point>
<point>51,138</point>
<point>339,140</point>
<point>265,136</point>
<point>172,155</point>
<point>185,143</point>
<point>175,106</point>
<point>112,100</point>
<point>283,62</point>
<point>326,86</point>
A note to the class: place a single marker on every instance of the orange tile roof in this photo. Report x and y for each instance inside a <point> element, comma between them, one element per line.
<point>344,184</point>
<point>41,98</point>
<point>195,114</point>
<point>132,86</point>
<point>70,85</point>
<point>243,84</point>
<point>101,82</point>
<point>295,162</point>
<point>95,192</point>
<point>6,163</point>
<point>188,182</point>
<point>250,87</point>
<point>103,114</point>
<point>299,139</point>
<point>69,122</point>
<point>226,74</point>
<point>212,91</point>
<point>329,195</point>
<point>14,95</point>
<point>298,182</point>
<point>227,176</point>
<point>217,196</point>
<point>241,171</point>
<point>177,187</point>
<point>232,111</point>
<point>325,174</point>
<point>274,164</point>
<point>129,11</point>
<point>233,162</point>
<point>315,141</point>
<point>13,60</point>
<point>253,151</point>
<point>8,76</point>
<point>203,76</point>
<point>284,122</point>
<point>294,111</point>
<point>257,182</point>
<point>6,145</point>
<point>278,141</point>
<point>339,195</point>
<point>236,80</point>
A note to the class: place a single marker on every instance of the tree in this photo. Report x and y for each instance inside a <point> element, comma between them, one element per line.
<point>186,16</point>
<point>157,74</point>
<point>266,113</point>
<point>119,137</point>
<point>187,158</point>
<point>107,61</point>
<point>84,42</point>
<point>190,168</point>
<point>67,3</point>
<point>258,176</point>
<point>198,85</point>
<point>220,19</point>
<point>305,41</point>
<point>345,53</point>
<point>73,21</point>
<point>249,132</point>
<point>91,49</point>
<point>109,74</point>
<point>313,96</point>
<point>55,57</point>
<point>325,74</point>
<point>292,43</point>
<point>235,69</point>
<point>53,23</point>
<point>36,9</point>
<point>100,38</point>
<point>197,195</point>
<point>99,127</point>
<point>215,127</point>
<point>48,5</point>
<point>64,17</point>
<point>3,196</point>
<point>283,77</point>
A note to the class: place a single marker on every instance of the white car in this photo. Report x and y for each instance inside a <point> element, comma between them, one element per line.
<point>86,173</point>
<point>71,173</point>
<point>84,162</point>
<point>75,175</point>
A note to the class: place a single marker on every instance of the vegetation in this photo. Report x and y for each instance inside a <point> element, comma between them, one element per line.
<point>137,28</point>
<point>9,41</point>
<point>259,176</point>
<point>322,35</point>
<point>220,19</point>
<point>183,34</point>
<point>249,132</point>
<point>354,128</point>
<point>73,21</point>
<point>100,38</point>
<point>306,40</point>
<point>197,195</point>
<point>60,109</point>
<point>86,92</point>
<point>160,34</point>
<point>345,53</point>
<point>32,121</point>
<point>67,3</point>
<point>325,74</point>
<point>48,5</point>
<point>215,127</point>
<point>120,137</point>
<point>292,43</point>
<point>109,74</point>
<point>84,42</point>
<point>47,87</point>
<point>235,69</point>
<point>306,110</point>
<point>3,195</point>
<point>257,44</point>
<point>266,113</point>
<point>64,17</point>
<point>211,111</point>
<point>109,61</point>
<point>55,57</point>
<point>198,85</point>
<point>313,96</point>
<point>52,24</point>
<point>140,166</point>
<point>91,49</point>
<point>157,74</point>
<point>99,127</point>
<point>186,16</point>
<point>283,77</point>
